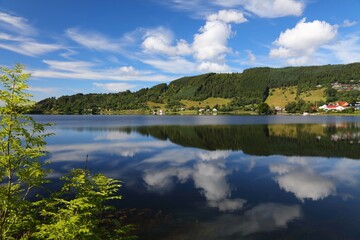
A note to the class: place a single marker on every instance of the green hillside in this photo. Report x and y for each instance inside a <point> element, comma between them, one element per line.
<point>253,86</point>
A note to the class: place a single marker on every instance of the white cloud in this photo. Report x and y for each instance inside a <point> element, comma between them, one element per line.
<point>93,40</point>
<point>16,24</point>
<point>251,57</point>
<point>211,43</point>
<point>114,87</point>
<point>21,43</point>
<point>26,46</point>
<point>42,90</point>
<point>160,41</point>
<point>298,45</point>
<point>30,48</point>
<point>228,16</point>
<point>213,67</point>
<point>208,49</point>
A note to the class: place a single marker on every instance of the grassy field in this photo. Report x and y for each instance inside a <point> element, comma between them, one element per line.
<point>282,96</point>
<point>314,95</point>
<point>156,105</point>
<point>210,102</point>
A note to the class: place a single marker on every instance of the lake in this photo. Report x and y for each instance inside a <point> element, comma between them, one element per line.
<point>222,177</point>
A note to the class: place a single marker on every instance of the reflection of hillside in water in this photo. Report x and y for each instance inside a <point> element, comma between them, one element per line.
<point>332,140</point>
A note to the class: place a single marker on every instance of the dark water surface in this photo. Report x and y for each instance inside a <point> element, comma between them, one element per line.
<point>223,177</point>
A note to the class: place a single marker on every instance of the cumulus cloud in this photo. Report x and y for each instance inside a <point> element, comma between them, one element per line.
<point>210,44</point>
<point>209,47</point>
<point>297,45</point>
<point>227,16</point>
<point>213,67</point>
<point>160,41</point>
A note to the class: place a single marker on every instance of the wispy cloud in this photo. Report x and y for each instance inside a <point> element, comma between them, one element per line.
<point>93,40</point>
<point>348,23</point>
<point>18,39</point>
<point>16,24</point>
<point>261,8</point>
<point>43,90</point>
<point>347,49</point>
<point>172,65</point>
<point>92,71</point>
<point>30,48</point>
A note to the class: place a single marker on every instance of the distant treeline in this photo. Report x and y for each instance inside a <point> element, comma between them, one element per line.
<point>250,87</point>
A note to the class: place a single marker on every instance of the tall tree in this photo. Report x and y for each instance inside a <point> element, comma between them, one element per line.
<point>21,145</point>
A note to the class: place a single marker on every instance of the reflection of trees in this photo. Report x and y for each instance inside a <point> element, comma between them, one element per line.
<point>289,140</point>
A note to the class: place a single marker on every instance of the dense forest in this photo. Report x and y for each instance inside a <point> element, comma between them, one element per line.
<point>250,87</point>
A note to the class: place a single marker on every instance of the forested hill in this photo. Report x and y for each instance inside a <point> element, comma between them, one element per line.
<point>250,87</point>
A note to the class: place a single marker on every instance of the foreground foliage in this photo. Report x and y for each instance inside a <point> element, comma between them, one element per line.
<point>79,211</point>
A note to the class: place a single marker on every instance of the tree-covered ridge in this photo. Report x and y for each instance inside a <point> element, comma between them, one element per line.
<point>250,87</point>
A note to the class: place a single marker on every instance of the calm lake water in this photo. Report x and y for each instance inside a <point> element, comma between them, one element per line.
<point>223,177</point>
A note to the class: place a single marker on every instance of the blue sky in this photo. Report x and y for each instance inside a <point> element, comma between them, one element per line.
<point>98,46</point>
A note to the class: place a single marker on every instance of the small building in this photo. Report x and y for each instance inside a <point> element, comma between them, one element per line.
<point>342,104</point>
<point>332,108</point>
<point>278,108</point>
